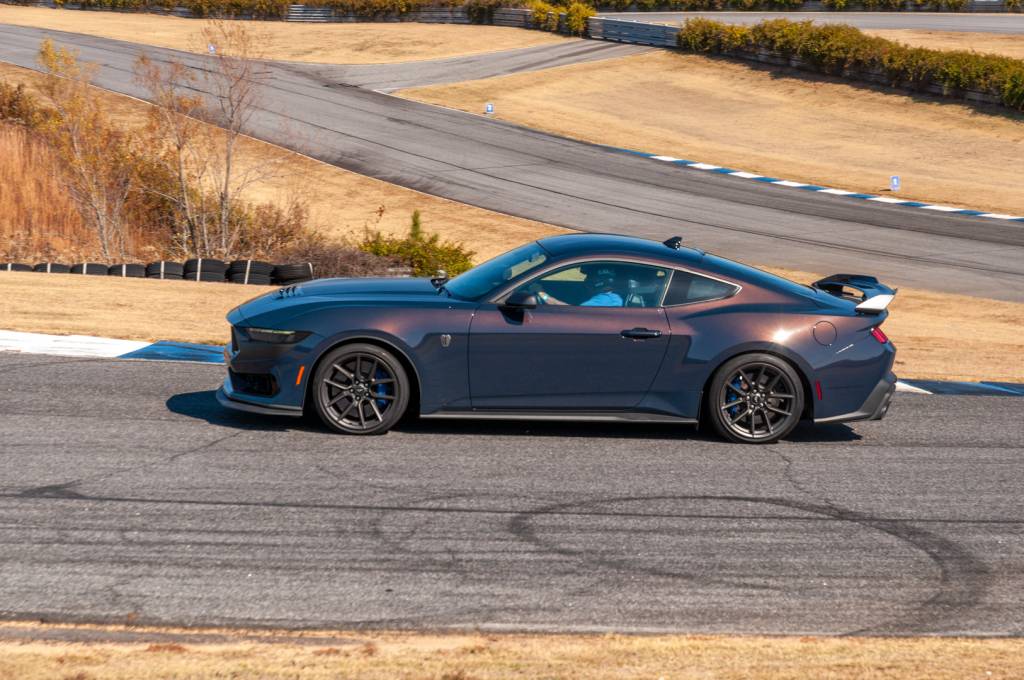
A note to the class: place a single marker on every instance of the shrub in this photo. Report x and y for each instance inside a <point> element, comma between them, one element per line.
<point>545,16</point>
<point>705,35</point>
<point>333,258</point>
<point>425,255</point>
<point>576,16</point>
<point>1014,5</point>
<point>846,51</point>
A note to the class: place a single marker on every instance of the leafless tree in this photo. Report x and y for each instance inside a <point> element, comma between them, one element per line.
<point>95,157</point>
<point>210,180</point>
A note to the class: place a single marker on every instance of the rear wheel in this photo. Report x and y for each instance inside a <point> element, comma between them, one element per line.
<point>360,389</point>
<point>755,399</point>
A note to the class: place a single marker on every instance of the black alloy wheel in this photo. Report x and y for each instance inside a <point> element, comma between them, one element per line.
<point>360,389</point>
<point>755,399</point>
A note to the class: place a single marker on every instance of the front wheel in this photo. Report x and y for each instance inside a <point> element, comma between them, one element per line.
<point>360,389</point>
<point>755,399</point>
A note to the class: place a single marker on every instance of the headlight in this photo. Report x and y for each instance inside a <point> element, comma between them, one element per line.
<point>274,336</point>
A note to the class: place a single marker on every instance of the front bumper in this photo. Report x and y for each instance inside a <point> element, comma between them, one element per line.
<point>227,398</point>
<point>874,407</point>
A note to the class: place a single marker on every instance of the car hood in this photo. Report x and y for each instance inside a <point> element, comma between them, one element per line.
<point>362,287</point>
<point>325,292</point>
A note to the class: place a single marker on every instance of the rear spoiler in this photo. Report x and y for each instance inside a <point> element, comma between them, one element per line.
<point>871,296</point>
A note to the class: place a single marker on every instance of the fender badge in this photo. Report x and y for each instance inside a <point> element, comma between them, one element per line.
<point>446,340</point>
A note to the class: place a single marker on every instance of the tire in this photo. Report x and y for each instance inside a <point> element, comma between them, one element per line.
<point>15,267</point>
<point>251,272</point>
<point>52,268</point>
<point>762,415</point>
<point>131,271</point>
<point>293,273</point>
<point>331,385</point>
<point>205,269</point>
<point>252,279</point>
<point>90,268</point>
<point>165,270</point>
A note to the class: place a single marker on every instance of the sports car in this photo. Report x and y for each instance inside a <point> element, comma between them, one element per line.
<point>574,327</point>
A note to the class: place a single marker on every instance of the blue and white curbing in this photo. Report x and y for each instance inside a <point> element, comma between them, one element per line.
<point>91,347</point>
<point>85,346</point>
<point>888,200</point>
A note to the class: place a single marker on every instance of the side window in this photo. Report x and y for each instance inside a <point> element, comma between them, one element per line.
<point>687,288</point>
<point>601,284</point>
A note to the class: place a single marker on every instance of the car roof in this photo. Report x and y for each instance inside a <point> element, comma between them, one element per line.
<point>569,245</point>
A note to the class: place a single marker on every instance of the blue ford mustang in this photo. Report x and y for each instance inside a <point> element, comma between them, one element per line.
<point>575,327</point>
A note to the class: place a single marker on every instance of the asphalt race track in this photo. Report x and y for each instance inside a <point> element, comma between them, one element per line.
<point>510,169</point>
<point>922,21</point>
<point>390,77</point>
<point>128,494</point>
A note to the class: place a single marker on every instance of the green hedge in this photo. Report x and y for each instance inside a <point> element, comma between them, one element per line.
<point>844,51</point>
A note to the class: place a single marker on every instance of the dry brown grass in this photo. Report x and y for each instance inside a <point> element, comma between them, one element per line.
<point>799,128</point>
<point>34,210</point>
<point>484,657</point>
<point>375,43</point>
<point>133,309</point>
<point>344,204</point>
<point>928,346</point>
<point>994,43</point>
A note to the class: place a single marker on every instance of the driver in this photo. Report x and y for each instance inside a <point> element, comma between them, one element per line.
<point>600,283</point>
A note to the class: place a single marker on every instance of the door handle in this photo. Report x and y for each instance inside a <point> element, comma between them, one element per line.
<point>641,333</point>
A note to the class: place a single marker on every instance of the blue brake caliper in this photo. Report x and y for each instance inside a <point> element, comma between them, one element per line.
<point>380,389</point>
<point>737,385</point>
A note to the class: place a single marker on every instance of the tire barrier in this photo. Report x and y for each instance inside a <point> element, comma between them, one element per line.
<point>250,272</point>
<point>165,270</point>
<point>205,269</point>
<point>287,274</point>
<point>133,271</point>
<point>52,268</point>
<point>90,268</point>
<point>243,272</point>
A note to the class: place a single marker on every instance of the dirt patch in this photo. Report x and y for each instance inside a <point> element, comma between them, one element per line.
<point>572,657</point>
<point>994,43</point>
<point>376,43</point>
<point>796,127</point>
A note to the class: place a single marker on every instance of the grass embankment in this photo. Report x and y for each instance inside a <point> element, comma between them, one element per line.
<point>389,656</point>
<point>804,128</point>
<point>341,203</point>
<point>346,204</point>
<point>929,347</point>
<point>371,43</point>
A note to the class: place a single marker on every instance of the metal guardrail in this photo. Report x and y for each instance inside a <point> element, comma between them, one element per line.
<point>634,32</point>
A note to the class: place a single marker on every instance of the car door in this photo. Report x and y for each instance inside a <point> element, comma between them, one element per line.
<point>586,350</point>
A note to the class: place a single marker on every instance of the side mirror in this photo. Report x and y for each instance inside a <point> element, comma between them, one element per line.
<point>521,299</point>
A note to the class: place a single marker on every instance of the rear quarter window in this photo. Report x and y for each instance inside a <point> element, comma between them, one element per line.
<point>686,288</point>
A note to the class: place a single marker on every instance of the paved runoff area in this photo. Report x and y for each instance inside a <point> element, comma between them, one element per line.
<point>130,495</point>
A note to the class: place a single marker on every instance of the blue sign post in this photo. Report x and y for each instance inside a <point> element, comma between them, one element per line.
<point>489,108</point>
<point>894,183</point>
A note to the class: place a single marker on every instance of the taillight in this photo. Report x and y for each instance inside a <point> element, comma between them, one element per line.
<point>877,334</point>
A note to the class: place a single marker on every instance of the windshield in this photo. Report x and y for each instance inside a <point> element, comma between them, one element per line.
<point>481,280</point>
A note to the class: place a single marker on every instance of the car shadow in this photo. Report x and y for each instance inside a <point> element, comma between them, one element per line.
<point>804,433</point>
<point>204,406</point>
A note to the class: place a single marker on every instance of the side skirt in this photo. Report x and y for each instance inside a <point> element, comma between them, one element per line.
<point>568,416</point>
